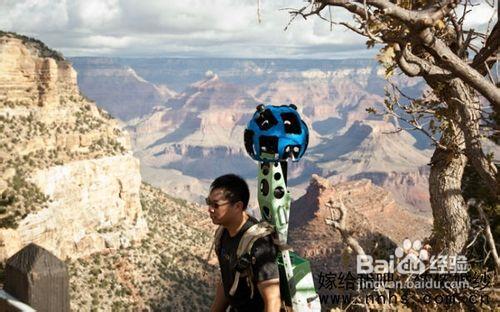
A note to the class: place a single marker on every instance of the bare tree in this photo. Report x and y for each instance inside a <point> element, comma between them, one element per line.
<point>427,39</point>
<point>339,225</point>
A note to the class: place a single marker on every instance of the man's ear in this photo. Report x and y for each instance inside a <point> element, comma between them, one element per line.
<point>239,205</point>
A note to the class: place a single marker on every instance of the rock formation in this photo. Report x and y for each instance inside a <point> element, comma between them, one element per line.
<point>69,181</point>
<point>373,217</point>
<point>118,88</point>
<point>168,271</point>
<point>206,122</point>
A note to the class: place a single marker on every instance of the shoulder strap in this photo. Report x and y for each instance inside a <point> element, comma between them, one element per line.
<point>216,241</point>
<point>253,233</point>
<point>217,237</point>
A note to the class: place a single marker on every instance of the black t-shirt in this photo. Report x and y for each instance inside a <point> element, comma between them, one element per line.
<point>264,268</point>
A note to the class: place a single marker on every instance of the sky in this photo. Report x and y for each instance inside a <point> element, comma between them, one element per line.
<point>188,28</point>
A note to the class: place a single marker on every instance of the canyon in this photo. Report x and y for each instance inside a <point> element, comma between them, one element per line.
<point>75,179</point>
<point>197,134</point>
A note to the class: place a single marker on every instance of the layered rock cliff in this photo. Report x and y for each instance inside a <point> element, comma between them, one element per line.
<point>69,181</point>
<point>119,89</point>
<point>190,134</point>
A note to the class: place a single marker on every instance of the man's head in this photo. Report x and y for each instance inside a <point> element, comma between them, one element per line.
<point>228,199</point>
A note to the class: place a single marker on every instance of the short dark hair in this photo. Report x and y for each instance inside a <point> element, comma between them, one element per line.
<point>236,189</point>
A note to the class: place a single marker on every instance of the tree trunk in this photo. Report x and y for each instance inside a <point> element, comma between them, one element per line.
<point>451,219</point>
<point>468,107</point>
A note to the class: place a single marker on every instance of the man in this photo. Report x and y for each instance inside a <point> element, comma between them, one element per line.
<point>227,203</point>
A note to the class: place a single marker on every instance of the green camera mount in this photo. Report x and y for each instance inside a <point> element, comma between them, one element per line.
<point>296,280</point>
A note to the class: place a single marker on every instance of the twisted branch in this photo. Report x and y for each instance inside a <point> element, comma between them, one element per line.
<point>339,224</point>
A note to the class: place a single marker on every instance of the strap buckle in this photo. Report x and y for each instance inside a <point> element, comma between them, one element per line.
<point>243,263</point>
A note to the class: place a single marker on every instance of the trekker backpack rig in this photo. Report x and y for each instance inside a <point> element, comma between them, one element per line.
<point>274,134</point>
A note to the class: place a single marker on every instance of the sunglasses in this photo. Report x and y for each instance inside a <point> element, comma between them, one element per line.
<point>214,204</point>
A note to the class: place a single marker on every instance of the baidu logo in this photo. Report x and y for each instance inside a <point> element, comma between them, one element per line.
<point>413,258</point>
<point>407,259</point>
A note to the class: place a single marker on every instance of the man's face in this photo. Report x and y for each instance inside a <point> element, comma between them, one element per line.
<point>220,208</point>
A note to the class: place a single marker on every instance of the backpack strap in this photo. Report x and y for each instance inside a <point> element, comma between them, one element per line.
<point>216,241</point>
<point>245,245</point>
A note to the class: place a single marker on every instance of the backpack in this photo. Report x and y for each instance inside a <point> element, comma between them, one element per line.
<point>244,258</point>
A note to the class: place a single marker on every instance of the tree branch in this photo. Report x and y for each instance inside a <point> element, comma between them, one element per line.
<point>422,18</point>
<point>413,65</point>
<point>348,5</point>
<point>490,48</point>
<point>465,44</point>
<point>467,107</point>
<point>457,66</point>
<point>413,122</point>
<point>489,237</point>
<point>420,22</point>
<point>339,224</point>
<point>410,69</point>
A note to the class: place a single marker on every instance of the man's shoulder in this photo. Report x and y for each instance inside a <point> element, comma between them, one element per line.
<point>264,253</point>
<point>252,221</point>
<point>264,247</point>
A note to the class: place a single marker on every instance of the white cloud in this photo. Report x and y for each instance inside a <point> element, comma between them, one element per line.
<point>95,14</point>
<point>107,42</point>
<point>217,28</point>
<point>149,28</point>
<point>33,15</point>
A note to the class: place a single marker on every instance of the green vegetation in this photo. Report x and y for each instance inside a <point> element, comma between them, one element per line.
<point>20,197</point>
<point>166,269</point>
<point>42,49</point>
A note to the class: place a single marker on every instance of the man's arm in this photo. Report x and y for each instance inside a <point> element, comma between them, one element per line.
<point>266,273</point>
<point>220,303</point>
<point>270,291</point>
